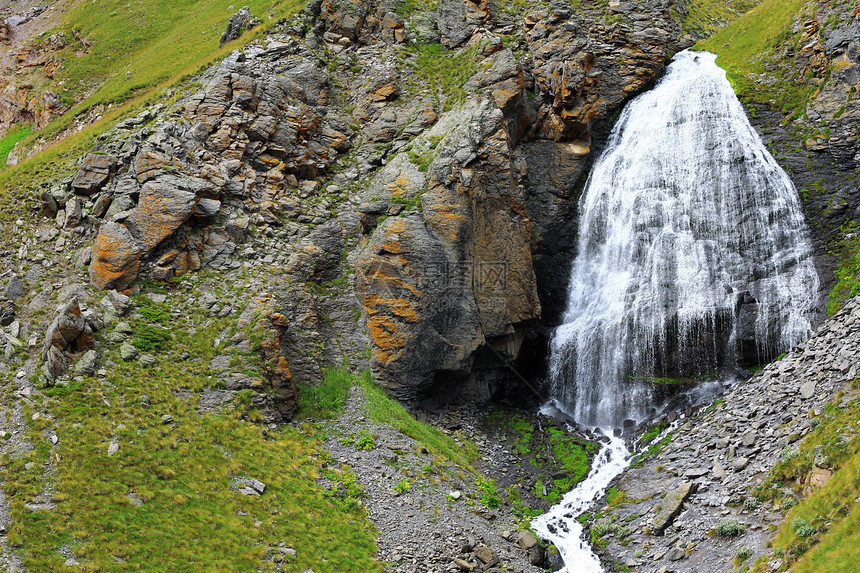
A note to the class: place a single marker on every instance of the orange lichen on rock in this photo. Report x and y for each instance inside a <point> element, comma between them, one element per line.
<point>399,307</point>
<point>389,341</point>
<point>400,186</point>
<point>116,258</point>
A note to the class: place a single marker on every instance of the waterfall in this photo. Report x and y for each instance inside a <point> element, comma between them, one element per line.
<point>693,254</point>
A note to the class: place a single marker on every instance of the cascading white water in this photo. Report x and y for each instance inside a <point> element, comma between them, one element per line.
<point>559,524</point>
<point>693,255</point>
<point>693,251</point>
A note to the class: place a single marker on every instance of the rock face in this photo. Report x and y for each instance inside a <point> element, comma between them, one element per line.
<point>436,285</point>
<point>715,457</point>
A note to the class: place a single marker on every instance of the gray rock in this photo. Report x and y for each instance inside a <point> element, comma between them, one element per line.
<point>73,213</point>
<point>486,555</point>
<point>94,173</point>
<point>249,486</point>
<point>676,554</point>
<point>423,24</point>
<point>670,506</point>
<point>458,19</point>
<point>14,288</point>
<point>87,364</point>
<point>128,352</point>
<point>740,463</point>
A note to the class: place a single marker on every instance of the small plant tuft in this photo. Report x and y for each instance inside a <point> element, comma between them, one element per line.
<point>729,528</point>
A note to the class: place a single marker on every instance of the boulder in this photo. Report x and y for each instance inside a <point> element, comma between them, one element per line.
<point>163,207</point>
<point>115,259</point>
<point>671,505</point>
<point>94,173</point>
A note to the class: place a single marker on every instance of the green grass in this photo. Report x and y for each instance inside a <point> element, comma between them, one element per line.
<point>408,7</point>
<point>563,460</point>
<point>385,410</point>
<point>821,532</point>
<point>190,518</point>
<point>705,17</point>
<point>152,39</point>
<point>847,252</point>
<point>326,400</point>
<point>757,42</point>
<point>13,136</point>
<point>445,71</point>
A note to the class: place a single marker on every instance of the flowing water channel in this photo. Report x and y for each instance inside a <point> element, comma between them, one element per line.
<point>694,260</point>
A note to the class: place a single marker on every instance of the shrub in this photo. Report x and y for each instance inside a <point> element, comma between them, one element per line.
<point>802,527</point>
<point>607,526</point>
<point>403,486</point>
<point>489,493</point>
<point>743,553</point>
<point>150,337</point>
<point>729,528</point>
<point>365,442</point>
<point>788,453</point>
<point>751,504</point>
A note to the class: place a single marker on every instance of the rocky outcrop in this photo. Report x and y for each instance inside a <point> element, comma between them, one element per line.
<point>437,284</point>
<point>241,21</point>
<point>69,335</point>
<point>457,20</point>
<point>833,48</point>
<point>584,76</point>
<point>716,456</point>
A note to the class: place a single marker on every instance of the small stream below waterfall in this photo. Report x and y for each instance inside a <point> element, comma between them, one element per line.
<point>559,524</point>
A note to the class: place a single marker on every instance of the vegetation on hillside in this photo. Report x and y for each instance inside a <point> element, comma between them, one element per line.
<point>120,58</point>
<point>762,41</point>
<point>705,17</point>
<point>821,530</point>
<point>140,474</point>
<point>847,252</point>
<point>12,137</point>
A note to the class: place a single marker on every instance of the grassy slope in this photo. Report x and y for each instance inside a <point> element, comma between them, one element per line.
<point>181,470</point>
<point>160,42</point>
<point>13,136</point>
<point>830,542</point>
<point>751,43</point>
<point>705,17</point>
